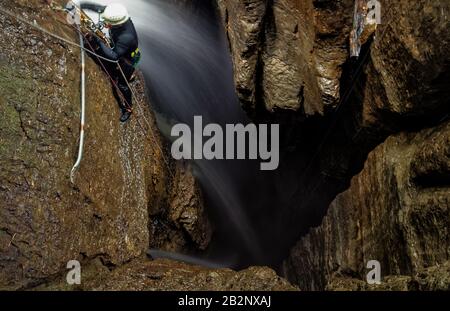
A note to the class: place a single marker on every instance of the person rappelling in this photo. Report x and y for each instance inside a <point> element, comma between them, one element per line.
<point>124,50</point>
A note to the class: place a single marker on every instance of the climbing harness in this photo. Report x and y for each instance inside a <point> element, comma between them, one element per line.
<point>35,25</point>
<point>85,23</point>
<point>135,58</point>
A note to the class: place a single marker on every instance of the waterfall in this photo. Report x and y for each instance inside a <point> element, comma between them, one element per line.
<point>188,71</point>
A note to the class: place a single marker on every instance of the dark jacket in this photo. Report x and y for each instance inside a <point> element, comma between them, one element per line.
<point>124,37</point>
<point>125,42</point>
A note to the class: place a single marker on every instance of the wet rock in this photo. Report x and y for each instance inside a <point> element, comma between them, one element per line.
<point>181,224</point>
<point>292,66</point>
<point>396,211</point>
<point>126,171</point>
<point>435,278</point>
<point>288,54</point>
<point>167,275</point>
<point>187,210</point>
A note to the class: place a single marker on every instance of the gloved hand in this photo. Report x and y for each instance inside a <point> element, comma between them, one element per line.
<point>92,40</point>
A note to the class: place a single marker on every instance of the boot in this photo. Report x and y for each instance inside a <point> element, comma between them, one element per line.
<point>126,114</point>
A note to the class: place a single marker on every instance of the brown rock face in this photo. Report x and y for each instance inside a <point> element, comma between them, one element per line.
<point>396,211</point>
<point>435,278</point>
<point>45,221</point>
<point>291,61</point>
<point>168,275</point>
<point>183,223</point>
<point>288,54</point>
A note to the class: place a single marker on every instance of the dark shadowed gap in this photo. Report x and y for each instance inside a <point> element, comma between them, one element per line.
<point>188,71</point>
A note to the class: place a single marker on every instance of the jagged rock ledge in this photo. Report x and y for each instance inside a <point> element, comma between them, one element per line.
<point>126,198</point>
<point>292,66</point>
<point>168,275</point>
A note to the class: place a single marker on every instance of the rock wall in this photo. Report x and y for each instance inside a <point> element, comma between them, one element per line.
<point>288,54</point>
<point>181,222</point>
<point>396,211</point>
<point>382,118</point>
<point>168,275</point>
<point>292,66</point>
<point>125,199</point>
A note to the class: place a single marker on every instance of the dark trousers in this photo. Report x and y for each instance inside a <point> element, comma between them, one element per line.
<point>121,90</point>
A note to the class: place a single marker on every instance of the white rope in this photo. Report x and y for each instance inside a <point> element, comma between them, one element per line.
<point>133,93</point>
<point>81,47</point>
<point>83,111</point>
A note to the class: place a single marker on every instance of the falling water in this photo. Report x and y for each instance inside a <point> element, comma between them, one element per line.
<point>188,72</point>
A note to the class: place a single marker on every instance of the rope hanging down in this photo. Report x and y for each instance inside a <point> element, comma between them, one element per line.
<point>83,112</point>
<point>133,92</point>
<point>81,47</point>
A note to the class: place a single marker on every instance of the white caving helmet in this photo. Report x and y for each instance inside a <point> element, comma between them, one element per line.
<point>115,14</point>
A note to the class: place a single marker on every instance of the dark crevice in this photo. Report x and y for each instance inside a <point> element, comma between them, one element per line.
<point>433,180</point>
<point>22,125</point>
